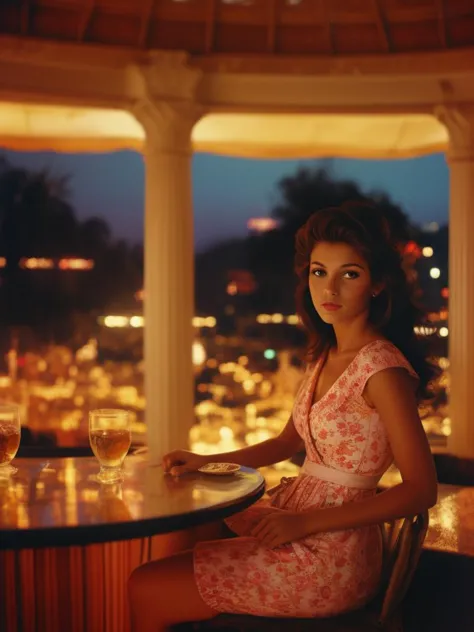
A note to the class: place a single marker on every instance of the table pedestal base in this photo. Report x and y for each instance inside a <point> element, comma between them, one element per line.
<point>79,588</point>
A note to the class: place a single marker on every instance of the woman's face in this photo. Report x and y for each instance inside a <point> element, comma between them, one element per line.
<point>339,281</point>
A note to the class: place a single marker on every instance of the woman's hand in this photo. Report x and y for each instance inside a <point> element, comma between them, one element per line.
<point>182,461</point>
<point>280,527</point>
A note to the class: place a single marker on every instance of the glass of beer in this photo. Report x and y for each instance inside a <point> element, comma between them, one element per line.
<point>10,430</point>
<point>110,438</point>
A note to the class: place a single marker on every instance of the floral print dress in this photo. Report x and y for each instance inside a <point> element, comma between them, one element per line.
<point>326,573</point>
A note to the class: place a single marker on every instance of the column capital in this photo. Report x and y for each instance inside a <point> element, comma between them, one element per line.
<point>167,124</point>
<point>165,89</point>
<point>459,121</point>
<point>164,75</point>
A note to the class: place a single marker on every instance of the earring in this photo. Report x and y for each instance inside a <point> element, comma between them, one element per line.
<point>374,294</point>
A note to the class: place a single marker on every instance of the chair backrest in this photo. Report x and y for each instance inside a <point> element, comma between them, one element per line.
<point>403,543</point>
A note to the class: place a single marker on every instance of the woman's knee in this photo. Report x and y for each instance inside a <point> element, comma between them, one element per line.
<point>137,582</point>
<point>143,580</point>
<point>156,589</point>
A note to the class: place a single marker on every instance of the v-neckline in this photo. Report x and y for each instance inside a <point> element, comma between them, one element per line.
<point>318,370</point>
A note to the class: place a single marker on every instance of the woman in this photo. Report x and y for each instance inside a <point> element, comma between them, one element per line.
<point>313,548</point>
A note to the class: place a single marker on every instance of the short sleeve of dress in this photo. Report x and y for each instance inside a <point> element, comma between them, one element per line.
<point>378,356</point>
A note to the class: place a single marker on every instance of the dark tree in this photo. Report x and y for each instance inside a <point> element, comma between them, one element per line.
<point>270,256</point>
<point>309,190</point>
<point>38,220</point>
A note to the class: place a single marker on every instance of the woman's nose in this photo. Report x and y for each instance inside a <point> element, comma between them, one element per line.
<point>331,288</point>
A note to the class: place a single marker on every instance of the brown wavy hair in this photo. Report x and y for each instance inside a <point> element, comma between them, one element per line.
<point>393,312</point>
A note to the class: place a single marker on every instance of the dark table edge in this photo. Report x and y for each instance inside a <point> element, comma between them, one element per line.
<point>17,539</point>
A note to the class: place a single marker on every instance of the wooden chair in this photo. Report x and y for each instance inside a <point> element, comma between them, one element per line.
<point>403,542</point>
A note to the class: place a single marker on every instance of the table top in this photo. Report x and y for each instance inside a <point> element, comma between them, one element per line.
<point>64,504</point>
<point>451,525</point>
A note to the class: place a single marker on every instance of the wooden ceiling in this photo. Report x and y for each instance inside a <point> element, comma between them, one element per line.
<point>262,27</point>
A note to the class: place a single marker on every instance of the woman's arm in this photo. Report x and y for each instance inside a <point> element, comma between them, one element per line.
<point>267,452</point>
<point>391,392</point>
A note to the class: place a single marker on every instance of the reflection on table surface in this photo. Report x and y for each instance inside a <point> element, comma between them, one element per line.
<point>451,527</point>
<point>66,493</point>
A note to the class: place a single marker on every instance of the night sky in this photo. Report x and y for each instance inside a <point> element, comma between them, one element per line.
<point>228,191</point>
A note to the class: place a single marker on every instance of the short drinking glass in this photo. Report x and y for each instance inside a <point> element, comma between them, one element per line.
<point>10,431</point>
<point>109,436</point>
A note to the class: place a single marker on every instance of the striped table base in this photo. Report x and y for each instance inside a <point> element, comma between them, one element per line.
<point>77,588</point>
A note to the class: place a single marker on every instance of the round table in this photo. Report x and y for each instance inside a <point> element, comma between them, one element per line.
<point>69,543</point>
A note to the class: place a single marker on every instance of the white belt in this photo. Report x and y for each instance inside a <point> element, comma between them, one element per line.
<point>339,477</point>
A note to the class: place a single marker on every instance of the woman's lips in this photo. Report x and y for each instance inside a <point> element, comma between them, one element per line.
<point>331,307</point>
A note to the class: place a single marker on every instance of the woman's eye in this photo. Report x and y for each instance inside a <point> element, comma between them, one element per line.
<point>352,274</point>
<point>317,272</point>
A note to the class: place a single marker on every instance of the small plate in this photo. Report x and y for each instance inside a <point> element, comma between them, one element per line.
<point>220,469</point>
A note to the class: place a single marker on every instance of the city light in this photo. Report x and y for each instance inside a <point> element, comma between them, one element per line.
<point>443,363</point>
<point>266,319</point>
<point>232,288</point>
<point>262,224</point>
<point>427,251</point>
<point>76,264</point>
<point>34,263</point>
<point>204,321</point>
<point>136,321</point>
<point>45,263</point>
<point>199,354</point>
<point>87,353</point>
<point>116,321</point>
<point>444,332</point>
<point>269,354</point>
<point>424,331</point>
<point>249,386</point>
<point>412,249</point>
<point>3,262</point>
<point>446,427</point>
<point>435,273</point>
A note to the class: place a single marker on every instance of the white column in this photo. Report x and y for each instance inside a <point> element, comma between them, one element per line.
<point>169,274</point>
<point>460,124</point>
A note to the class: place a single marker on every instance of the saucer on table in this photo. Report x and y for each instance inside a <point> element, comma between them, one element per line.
<point>220,469</point>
